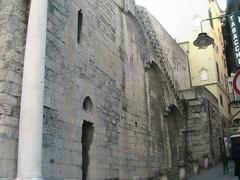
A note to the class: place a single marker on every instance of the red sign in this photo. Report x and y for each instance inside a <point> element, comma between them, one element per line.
<point>236,83</point>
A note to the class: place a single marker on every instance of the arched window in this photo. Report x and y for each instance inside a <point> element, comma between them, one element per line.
<point>204,74</point>
<point>87,104</point>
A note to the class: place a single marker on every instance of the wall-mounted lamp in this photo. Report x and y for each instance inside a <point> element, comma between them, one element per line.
<point>203,40</point>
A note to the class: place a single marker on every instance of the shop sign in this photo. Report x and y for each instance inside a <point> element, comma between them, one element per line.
<point>234,22</point>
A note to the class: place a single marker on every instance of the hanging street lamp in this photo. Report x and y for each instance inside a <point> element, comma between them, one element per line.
<point>204,40</point>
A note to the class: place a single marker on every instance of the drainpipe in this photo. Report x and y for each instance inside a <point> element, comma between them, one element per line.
<point>31,110</point>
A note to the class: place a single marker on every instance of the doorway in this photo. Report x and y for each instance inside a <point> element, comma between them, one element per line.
<point>87,137</point>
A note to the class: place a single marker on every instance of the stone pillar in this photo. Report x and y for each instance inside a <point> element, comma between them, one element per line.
<point>182,171</point>
<point>195,165</point>
<point>126,5</point>
<point>205,161</point>
<point>164,175</point>
<point>31,110</point>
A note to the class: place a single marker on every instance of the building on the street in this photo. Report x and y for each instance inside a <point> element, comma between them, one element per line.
<point>208,67</point>
<point>90,89</point>
<point>97,89</point>
<point>233,6</point>
<point>203,128</point>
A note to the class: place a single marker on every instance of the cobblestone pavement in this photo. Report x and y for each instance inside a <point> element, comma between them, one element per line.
<point>216,173</point>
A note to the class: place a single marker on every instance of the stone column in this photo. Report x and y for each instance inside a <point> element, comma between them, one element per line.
<point>31,110</point>
<point>126,5</point>
<point>182,171</point>
<point>205,161</point>
<point>195,165</point>
<point>164,175</point>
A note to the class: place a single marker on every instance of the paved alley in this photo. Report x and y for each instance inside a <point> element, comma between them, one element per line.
<point>216,173</point>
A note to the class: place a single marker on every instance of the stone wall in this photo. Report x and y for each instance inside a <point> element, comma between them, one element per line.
<point>107,96</point>
<point>203,125</point>
<point>13,20</point>
<point>108,65</point>
<point>177,59</point>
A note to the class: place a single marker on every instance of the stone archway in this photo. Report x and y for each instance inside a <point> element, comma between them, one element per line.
<point>165,120</point>
<point>157,90</point>
<point>174,122</point>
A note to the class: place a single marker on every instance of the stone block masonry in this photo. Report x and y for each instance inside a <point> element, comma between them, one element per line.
<point>203,125</point>
<point>110,111</point>
<point>130,135</point>
<point>13,20</point>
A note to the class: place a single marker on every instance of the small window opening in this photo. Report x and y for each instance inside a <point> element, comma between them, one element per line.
<point>229,108</point>
<point>136,124</point>
<point>221,99</point>
<point>87,104</point>
<point>204,75</point>
<point>218,74</point>
<point>80,17</point>
<point>87,138</point>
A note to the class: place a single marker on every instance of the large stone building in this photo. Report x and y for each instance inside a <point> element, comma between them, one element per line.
<point>203,128</point>
<point>208,68</point>
<point>112,106</point>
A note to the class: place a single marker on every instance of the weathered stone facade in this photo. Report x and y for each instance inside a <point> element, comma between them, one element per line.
<point>134,136</point>
<point>13,20</point>
<point>112,107</point>
<point>204,125</point>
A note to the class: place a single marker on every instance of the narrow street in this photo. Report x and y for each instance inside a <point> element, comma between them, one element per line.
<point>216,173</point>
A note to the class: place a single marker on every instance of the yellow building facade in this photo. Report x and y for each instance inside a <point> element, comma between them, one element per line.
<point>207,65</point>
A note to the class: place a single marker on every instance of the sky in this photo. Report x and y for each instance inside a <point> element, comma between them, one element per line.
<point>165,11</point>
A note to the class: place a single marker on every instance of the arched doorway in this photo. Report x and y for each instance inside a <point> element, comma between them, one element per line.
<point>164,120</point>
<point>87,138</point>
<point>174,123</point>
